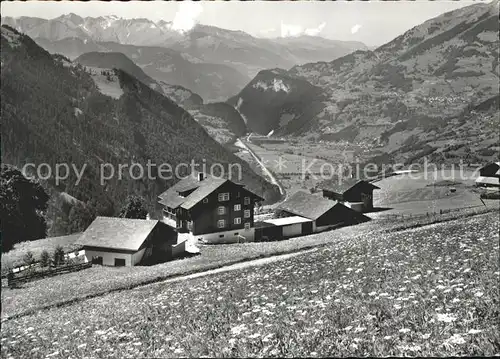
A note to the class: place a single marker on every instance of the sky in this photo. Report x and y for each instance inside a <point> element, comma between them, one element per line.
<point>372,22</point>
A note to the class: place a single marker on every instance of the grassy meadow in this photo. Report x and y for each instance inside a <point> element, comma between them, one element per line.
<point>427,291</point>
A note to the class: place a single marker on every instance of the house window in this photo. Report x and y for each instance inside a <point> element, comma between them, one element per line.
<point>237,207</point>
<point>222,210</point>
<point>247,225</point>
<point>119,262</point>
<point>223,197</point>
<point>238,194</point>
<point>205,200</point>
<point>246,213</point>
<point>221,223</point>
<point>237,220</point>
<point>247,200</point>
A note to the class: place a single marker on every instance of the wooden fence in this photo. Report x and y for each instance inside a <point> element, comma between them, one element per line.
<point>424,215</point>
<point>15,280</point>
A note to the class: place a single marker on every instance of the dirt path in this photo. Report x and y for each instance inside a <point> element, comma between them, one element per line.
<point>236,266</point>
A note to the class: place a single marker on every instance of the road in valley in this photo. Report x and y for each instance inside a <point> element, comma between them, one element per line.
<point>268,173</point>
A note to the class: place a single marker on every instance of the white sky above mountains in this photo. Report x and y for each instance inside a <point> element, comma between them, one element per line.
<point>372,22</point>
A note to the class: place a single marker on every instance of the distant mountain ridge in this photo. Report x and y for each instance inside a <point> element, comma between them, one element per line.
<point>213,62</point>
<point>117,60</point>
<point>421,81</point>
<point>53,111</point>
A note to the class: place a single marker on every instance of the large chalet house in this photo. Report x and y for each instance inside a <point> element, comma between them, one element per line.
<point>210,209</point>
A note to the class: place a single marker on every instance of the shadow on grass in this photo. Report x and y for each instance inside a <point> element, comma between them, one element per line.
<point>379,209</point>
<point>162,258</point>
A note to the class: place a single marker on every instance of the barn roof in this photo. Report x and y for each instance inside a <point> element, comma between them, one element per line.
<point>117,233</point>
<point>202,189</point>
<point>287,220</point>
<point>494,181</point>
<point>495,167</point>
<point>307,205</point>
<point>345,184</point>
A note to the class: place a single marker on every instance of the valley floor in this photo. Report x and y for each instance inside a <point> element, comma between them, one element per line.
<point>426,291</point>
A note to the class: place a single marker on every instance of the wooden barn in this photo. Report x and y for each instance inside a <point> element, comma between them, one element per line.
<point>489,175</point>
<point>323,213</point>
<point>356,194</point>
<point>127,242</point>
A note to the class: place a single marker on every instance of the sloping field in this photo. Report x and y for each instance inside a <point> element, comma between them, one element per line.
<point>15,256</point>
<point>100,280</point>
<point>419,193</point>
<point>430,291</point>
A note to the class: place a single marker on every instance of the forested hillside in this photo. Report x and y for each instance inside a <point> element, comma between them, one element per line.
<point>54,112</point>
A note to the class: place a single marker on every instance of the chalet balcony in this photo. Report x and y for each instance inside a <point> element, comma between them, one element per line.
<point>182,227</point>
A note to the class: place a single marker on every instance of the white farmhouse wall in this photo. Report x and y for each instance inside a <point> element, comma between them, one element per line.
<point>229,236</point>
<point>137,256</point>
<point>108,258</point>
<point>292,230</point>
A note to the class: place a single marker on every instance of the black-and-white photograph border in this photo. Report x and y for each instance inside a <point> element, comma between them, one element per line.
<point>250,179</point>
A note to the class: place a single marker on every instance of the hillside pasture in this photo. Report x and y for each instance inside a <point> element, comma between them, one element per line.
<point>421,193</point>
<point>430,291</point>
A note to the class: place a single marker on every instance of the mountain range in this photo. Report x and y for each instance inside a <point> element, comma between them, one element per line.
<point>213,62</point>
<point>58,111</point>
<point>415,91</point>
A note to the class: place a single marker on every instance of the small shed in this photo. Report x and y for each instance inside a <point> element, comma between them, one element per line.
<point>286,227</point>
<point>114,241</point>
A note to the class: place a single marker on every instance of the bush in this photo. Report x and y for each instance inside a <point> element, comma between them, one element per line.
<point>45,259</point>
<point>59,256</point>
<point>29,259</point>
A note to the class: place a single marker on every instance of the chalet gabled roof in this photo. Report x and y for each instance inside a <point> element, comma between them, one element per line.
<point>307,205</point>
<point>117,233</point>
<point>207,186</point>
<point>202,189</point>
<point>346,184</point>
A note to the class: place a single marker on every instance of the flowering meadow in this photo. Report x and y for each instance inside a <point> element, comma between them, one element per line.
<point>428,291</point>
